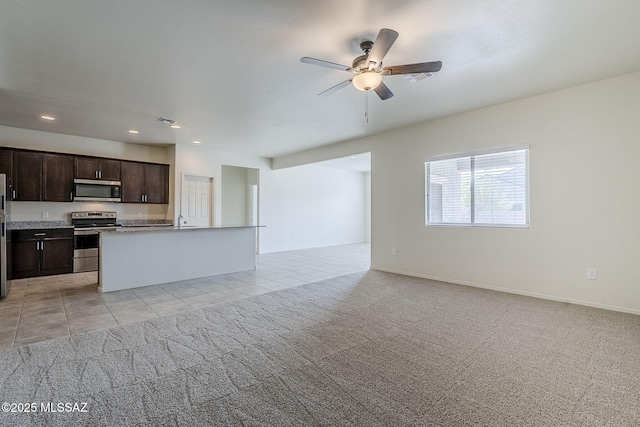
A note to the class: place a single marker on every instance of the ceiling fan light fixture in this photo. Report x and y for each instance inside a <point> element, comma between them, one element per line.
<point>367,80</point>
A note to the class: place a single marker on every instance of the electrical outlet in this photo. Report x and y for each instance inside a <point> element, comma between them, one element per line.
<point>592,273</point>
<point>45,215</point>
<point>394,252</point>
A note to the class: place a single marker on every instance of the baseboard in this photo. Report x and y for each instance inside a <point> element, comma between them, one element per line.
<point>513,291</point>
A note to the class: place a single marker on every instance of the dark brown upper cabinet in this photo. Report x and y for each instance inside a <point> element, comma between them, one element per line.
<point>157,183</point>
<point>27,176</point>
<point>57,177</point>
<point>43,176</point>
<point>97,168</point>
<point>145,183</point>
<point>6,165</point>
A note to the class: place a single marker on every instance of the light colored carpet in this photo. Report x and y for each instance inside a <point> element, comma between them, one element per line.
<point>366,349</point>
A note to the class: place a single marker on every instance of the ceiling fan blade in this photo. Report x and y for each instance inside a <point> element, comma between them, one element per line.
<point>335,88</point>
<point>383,91</point>
<point>423,67</point>
<point>381,46</point>
<point>320,62</point>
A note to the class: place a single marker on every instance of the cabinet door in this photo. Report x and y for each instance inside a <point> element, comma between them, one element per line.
<point>86,168</point>
<point>109,170</point>
<point>57,178</point>
<point>27,176</point>
<point>25,258</point>
<point>6,163</point>
<point>57,256</point>
<point>132,182</point>
<point>157,183</point>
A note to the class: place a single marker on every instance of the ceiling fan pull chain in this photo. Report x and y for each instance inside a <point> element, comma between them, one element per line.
<point>366,106</point>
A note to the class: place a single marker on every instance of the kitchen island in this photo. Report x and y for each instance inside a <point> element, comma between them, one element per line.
<point>131,257</point>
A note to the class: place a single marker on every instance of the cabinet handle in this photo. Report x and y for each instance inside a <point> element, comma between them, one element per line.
<point>14,194</point>
<point>145,197</point>
<point>71,196</point>
<point>95,174</point>
<point>142,198</point>
<point>99,174</point>
<point>40,234</point>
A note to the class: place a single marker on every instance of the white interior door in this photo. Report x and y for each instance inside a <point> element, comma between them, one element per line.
<point>197,201</point>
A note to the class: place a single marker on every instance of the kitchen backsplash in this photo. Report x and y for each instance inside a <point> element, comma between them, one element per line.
<point>51,211</point>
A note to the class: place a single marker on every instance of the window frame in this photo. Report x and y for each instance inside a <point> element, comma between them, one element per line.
<point>472,155</point>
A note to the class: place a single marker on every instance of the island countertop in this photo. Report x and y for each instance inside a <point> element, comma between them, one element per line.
<point>155,228</point>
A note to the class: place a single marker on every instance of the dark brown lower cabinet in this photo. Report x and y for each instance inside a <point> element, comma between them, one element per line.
<point>41,252</point>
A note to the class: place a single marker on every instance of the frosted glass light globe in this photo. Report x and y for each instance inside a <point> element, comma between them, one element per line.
<point>367,80</point>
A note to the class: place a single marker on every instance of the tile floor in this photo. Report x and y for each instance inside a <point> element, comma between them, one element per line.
<point>43,308</point>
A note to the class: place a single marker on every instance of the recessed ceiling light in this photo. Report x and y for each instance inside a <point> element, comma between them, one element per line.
<point>46,117</point>
<point>174,126</point>
<point>196,142</point>
<point>352,157</point>
<point>133,131</point>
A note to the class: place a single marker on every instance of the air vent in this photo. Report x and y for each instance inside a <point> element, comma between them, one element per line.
<point>165,120</point>
<point>416,77</point>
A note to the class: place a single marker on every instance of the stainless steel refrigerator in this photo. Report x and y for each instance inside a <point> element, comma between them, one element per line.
<point>4,217</point>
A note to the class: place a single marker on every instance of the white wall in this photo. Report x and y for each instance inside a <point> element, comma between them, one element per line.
<point>310,206</point>
<point>585,204</point>
<point>318,206</point>
<point>201,161</point>
<point>585,146</point>
<point>46,141</point>
<point>367,206</point>
<point>234,195</point>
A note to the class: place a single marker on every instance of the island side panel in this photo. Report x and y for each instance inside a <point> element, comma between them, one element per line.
<point>131,260</point>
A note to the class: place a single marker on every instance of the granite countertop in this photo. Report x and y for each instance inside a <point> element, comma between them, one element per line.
<point>30,225</point>
<point>133,226</point>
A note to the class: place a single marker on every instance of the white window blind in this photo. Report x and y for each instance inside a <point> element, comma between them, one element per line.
<point>486,189</point>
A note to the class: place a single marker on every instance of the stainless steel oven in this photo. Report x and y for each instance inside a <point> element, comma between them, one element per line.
<point>86,238</point>
<point>86,250</point>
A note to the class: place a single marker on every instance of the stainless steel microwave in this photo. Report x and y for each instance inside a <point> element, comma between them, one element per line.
<point>91,190</point>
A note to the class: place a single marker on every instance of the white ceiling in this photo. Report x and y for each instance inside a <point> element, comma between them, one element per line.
<point>229,71</point>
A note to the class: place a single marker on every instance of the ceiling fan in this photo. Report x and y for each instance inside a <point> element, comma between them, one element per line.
<point>368,68</point>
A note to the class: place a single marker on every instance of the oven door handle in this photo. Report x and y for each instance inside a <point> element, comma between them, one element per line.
<point>77,232</point>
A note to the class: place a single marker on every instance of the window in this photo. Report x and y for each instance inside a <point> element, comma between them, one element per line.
<point>488,189</point>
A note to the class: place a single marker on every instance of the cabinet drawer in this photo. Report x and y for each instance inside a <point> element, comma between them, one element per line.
<point>42,233</point>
